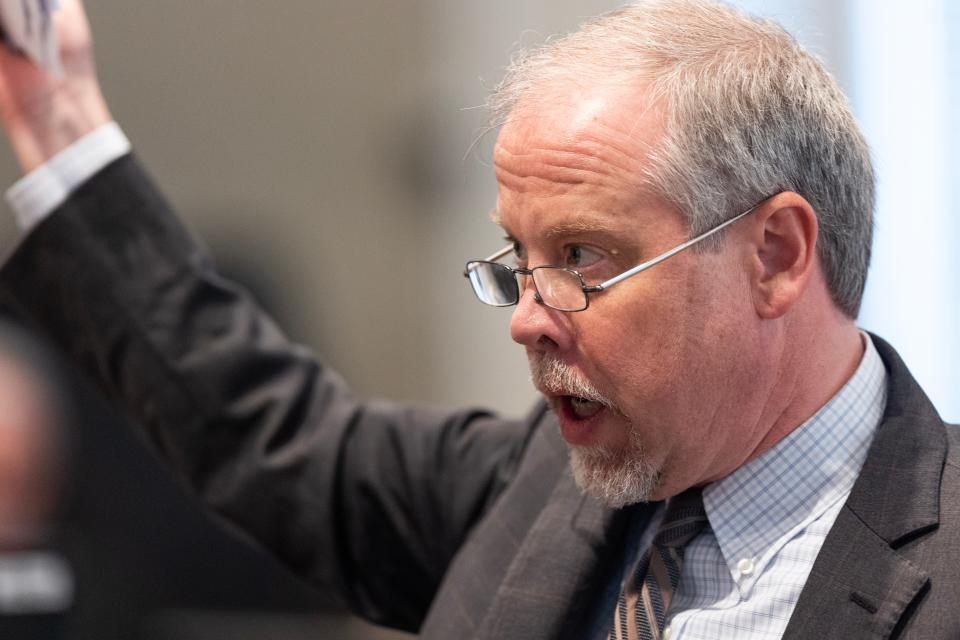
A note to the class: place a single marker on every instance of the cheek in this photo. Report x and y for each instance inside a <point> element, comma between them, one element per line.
<point>662,345</point>
<point>638,357</point>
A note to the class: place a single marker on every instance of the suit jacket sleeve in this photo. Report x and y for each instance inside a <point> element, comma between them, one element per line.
<point>371,500</point>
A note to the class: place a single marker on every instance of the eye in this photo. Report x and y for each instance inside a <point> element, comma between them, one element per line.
<point>579,256</point>
<point>519,252</point>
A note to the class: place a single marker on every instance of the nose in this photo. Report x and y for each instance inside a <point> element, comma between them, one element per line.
<point>537,326</point>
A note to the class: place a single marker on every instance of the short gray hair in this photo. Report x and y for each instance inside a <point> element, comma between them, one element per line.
<point>748,113</point>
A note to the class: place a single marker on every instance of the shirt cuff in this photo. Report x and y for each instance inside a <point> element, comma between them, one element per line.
<point>37,194</point>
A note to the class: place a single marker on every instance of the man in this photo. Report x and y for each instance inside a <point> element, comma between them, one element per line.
<point>688,202</point>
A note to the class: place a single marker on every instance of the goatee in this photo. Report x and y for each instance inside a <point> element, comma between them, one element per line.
<point>617,477</point>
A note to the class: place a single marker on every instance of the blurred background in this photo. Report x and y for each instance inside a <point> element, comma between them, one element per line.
<point>333,156</point>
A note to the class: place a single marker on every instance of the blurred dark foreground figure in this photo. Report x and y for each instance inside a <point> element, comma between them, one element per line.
<point>36,579</point>
<point>97,543</point>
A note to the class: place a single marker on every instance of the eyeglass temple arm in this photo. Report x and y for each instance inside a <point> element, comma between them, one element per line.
<point>493,258</point>
<point>669,254</point>
<point>499,254</point>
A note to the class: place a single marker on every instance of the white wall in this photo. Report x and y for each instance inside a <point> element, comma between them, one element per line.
<point>906,93</point>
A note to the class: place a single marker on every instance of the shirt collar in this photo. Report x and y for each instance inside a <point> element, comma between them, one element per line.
<point>756,509</point>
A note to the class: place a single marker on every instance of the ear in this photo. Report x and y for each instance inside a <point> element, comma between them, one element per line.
<point>783,245</point>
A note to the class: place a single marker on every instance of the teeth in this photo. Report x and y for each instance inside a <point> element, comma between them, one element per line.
<point>584,408</point>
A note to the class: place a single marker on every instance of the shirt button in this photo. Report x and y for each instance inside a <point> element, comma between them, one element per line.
<point>666,633</point>
<point>745,567</point>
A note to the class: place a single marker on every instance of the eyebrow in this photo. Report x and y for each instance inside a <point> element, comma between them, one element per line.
<point>574,227</point>
<point>578,227</point>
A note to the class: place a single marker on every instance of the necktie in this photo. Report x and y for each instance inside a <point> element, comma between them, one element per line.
<point>645,598</point>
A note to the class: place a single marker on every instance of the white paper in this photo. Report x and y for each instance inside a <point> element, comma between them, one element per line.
<point>28,26</point>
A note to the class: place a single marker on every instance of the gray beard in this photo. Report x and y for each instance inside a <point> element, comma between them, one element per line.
<point>616,478</point>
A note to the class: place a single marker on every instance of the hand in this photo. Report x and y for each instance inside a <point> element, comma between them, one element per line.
<point>41,114</point>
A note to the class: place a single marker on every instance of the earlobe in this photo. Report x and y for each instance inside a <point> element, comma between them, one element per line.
<point>784,239</point>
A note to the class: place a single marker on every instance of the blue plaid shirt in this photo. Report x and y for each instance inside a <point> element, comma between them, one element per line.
<point>742,577</point>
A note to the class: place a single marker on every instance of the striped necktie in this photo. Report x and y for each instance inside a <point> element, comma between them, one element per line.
<point>644,601</point>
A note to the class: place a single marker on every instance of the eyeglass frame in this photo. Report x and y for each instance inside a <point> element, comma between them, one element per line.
<point>597,288</point>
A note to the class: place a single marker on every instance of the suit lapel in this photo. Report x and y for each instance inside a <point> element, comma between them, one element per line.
<point>552,577</point>
<point>860,586</point>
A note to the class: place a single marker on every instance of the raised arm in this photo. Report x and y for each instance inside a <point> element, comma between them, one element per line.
<point>369,499</point>
<point>43,115</point>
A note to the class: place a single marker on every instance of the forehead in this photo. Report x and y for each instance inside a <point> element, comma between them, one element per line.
<point>576,156</point>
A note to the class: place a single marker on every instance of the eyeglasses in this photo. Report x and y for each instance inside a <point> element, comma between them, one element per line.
<point>559,288</point>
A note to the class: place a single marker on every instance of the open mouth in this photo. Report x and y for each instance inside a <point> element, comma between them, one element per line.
<point>579,418</point>
<point>582,408</point>
<point>576,401</point>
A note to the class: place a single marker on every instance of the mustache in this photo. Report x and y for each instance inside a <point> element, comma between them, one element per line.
<point>554,377</point>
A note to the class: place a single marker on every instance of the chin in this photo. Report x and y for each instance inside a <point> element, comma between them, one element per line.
<point>615,478</point>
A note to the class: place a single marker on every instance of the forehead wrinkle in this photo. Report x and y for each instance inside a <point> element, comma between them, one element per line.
<point>550,165</point>
<point>620,148</point>
<point>562,168</point>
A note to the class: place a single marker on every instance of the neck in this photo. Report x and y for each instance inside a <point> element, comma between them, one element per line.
<point>814,358</point>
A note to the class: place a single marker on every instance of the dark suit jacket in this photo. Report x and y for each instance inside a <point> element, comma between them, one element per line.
<point>461,525</point>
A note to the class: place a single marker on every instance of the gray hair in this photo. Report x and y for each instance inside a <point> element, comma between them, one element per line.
<point>748,114</point>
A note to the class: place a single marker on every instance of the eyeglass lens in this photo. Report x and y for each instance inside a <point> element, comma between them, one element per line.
<point>560,288</point>
<point>496,284</point>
